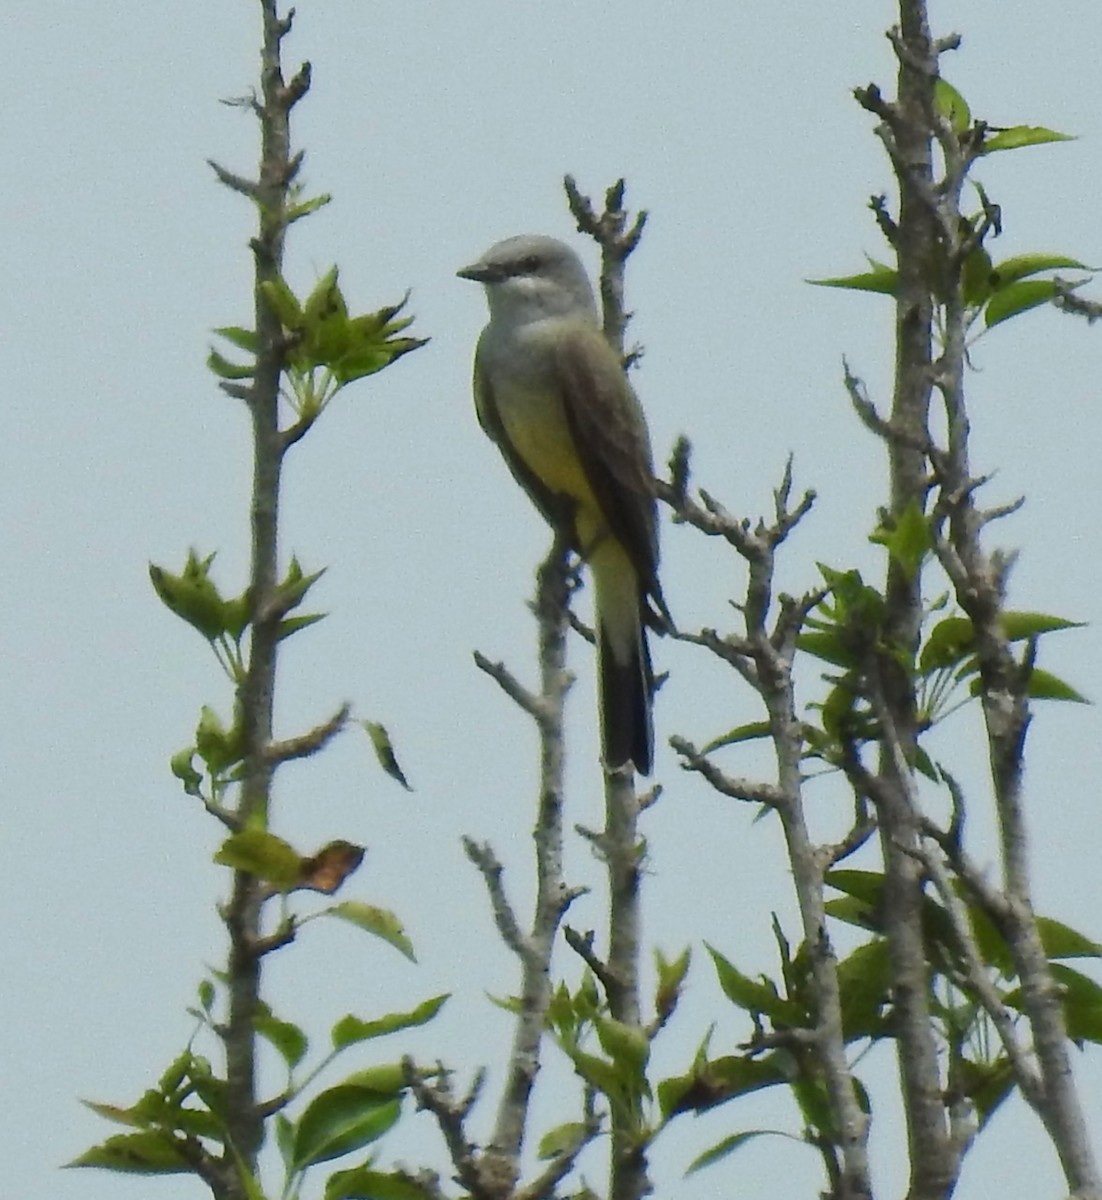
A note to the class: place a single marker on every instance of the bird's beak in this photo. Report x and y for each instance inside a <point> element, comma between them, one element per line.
<point>479,272</point>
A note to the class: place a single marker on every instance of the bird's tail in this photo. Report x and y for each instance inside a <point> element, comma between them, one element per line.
<point>626,681</point>
<point>627,726</point>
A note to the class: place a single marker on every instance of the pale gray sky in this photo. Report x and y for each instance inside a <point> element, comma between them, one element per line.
<point>440,128</point>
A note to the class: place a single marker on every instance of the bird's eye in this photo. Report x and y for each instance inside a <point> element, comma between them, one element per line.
<point>531,264</point>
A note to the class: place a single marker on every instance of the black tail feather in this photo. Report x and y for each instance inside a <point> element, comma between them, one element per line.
<point>626,691</point>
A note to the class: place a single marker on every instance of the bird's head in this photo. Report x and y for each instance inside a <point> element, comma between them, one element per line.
<point>531,276</point>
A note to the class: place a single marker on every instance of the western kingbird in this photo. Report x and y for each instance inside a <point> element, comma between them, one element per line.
<point>552,393</point>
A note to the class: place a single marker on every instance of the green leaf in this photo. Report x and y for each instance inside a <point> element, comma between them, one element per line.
<point>587,999</point>
<point>989,940</point>
<point>206,995</point>
<point>384,752</point>
<point>355,347</point>
<point>1076,986</point>
<point>180,765</point>
<point>197,1122</point>
<point>208,1087</point>
<point>509,1004</point>
<point>359,364</point>
<point>864,890</point>
<point>324,300</point>
<point>728,1146</point>
<point>192,595</point>
<point>1083,1021</point>
<point>863,885</point>
<point>225,369</point>
<point>951,640</point>
<point>327,332</point>
<point>1082,1002</point>
<point>388,1079</point>
<point>951,105</point>
<point>625,1044</point>
<point>864,979</point>
<point>1020,266</point>
<point>987,1085</point>
<point>217,746</point>
<point>854,601</point>
<point>852,911</point>
<point>715,1081</point>
<point>174,1075</point>
<point>243,339</point>
<point>883,280</point>
<point>743,733</point>
<point>248,1178</point>
<point>261,854</point>
<point>342,1119</point>
<point>132,1117</point>
<point>349,1029</point>
<point>840,717</point>
<point>282,302</point>
<point>1023,135</point>
<point>814,1105</point>
<point>1017,298</point>
<point>671,975</point>
<point>562,1015</point>
<point>1061,941</point>
<point>1043,685</point>
<point>294,624</point>
<point>285,1138</point>
<point>294,586</point>
<point>288,1039</point>
<point>147,1153</point>
<point>977,277</point>
<point>379,921</point>
<point>236,615</point>
<point>1020,625</point>
<point>305,207</point>
<point>924,765</point>
<point>563,1139</point>
<point>362,1183</point>
<point>608,1078</point>
<point>909,539</point>
<point>827,645</point>
<point>753,996</point>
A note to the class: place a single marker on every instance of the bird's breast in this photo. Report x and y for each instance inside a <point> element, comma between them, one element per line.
<point>533,414</point>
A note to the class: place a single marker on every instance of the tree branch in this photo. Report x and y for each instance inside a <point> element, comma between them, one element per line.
<point>256,694</point>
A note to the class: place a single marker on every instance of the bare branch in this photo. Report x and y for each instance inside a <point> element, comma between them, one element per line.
<point>582,945</point>
<point>734,650</point>
<point>236,183</point>
<point>1067,301</point>
<point>532,704</point>
<point>434,1094</point>
<point>611,231</point>
<point>556,581</point>
<point>726,785</point>
<point>976,978</point>
<point>486,861</point>
<point>283,935</point>
<point>311,742</point>
<point>864,826</point>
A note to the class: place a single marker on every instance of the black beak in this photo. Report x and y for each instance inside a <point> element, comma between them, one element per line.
<point>481,273</point>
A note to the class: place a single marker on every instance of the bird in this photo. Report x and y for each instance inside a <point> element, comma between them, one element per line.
<point>552,394</point>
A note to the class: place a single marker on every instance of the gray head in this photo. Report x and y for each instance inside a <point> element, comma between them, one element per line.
<point>530,276</point>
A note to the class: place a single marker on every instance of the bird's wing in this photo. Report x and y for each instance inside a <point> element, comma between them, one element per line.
<point>610,433</point>
<point>556,509</point>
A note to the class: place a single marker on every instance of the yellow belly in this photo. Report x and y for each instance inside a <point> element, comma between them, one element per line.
<point>535,425</point>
